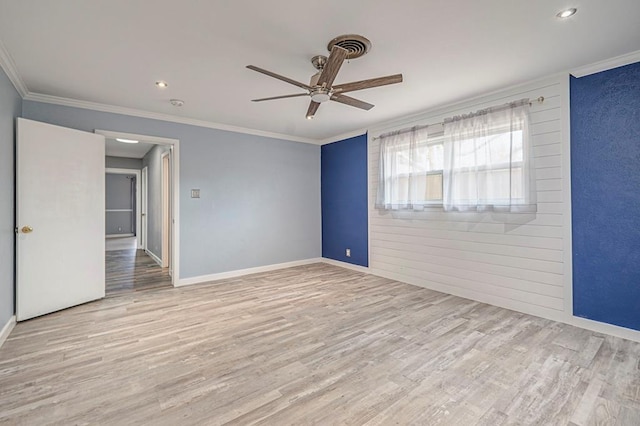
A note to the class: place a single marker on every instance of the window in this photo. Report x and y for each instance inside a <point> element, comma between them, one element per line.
<point>479,162</point>
<point>411,167</point>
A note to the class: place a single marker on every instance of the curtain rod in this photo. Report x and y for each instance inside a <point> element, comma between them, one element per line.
<point>540,100</point>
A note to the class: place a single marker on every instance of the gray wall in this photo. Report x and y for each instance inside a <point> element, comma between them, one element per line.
<point>123,163</point>
<point>153,162</point>
<point>260,197</point>
<point>10,108</point>
<point>120,194</point>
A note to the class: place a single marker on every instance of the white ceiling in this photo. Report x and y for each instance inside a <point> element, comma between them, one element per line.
<point>112,52</point>
<point>113,148</point>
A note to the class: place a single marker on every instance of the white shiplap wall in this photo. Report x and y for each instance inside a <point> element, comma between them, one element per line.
<point>518,263</point>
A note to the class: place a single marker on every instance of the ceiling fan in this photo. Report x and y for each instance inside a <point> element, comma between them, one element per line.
<point>321,88</point>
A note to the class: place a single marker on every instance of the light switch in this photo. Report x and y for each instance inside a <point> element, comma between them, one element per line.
<point>195,193</point>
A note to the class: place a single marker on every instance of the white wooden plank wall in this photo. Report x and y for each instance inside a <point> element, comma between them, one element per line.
<point>517,265</point>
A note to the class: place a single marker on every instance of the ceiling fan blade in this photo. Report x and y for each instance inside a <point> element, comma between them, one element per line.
<point>313,107</point>
<point>352,102</point>
<point>367,84</point>
<point>279,97</point>
<point>331,68</point>
<point>279,77</point>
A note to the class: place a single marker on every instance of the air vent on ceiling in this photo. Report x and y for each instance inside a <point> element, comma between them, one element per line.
<point>357,45</point>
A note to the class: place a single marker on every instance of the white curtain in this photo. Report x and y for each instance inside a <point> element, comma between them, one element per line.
<point>488,161</point>
<point>406,159</point>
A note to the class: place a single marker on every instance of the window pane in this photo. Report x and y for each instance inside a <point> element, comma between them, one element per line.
<point>427,187</point>
<point>434,187</point>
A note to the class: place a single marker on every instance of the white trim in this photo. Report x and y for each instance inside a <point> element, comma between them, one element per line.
<point>155,258</point>
<point>109,134</point>
<point>566,202</point>
<point>248,271</point>
<point>144,201</point>
<point>369,140</point>
<point>118,235</point>
<point>9,67</point>
<point>136,172</point>
<point>607,64</point>
<point>175,190</point>
<point>165,201</point>
<point>346,265</point>
<point>6,330</point>
<point>57,100</point>
<point>601,327</point>
<point>6,62</point>
<point>545,313</point>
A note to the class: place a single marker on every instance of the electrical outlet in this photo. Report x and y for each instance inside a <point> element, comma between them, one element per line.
<point>348,253</point>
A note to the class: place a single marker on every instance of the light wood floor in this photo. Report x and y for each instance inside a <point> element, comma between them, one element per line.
<point>120,243</point>
<point>315,344</point>
<point>133,270</point>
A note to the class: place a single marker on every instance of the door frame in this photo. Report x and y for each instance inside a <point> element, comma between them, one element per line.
<point>144,206</point>
<point>174,145</point>
<point>166,208</point>
<point>119,171</point>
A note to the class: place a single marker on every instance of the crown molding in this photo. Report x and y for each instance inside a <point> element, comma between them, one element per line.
<point>607,64</point>
<point>57,100</point>
<point>7,64</point>
<point>9,67</point>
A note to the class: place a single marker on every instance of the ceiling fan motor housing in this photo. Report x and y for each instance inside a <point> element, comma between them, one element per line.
<point>320,95</point>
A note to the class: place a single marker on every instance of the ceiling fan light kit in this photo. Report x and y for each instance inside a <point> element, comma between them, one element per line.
<point>320,88</point>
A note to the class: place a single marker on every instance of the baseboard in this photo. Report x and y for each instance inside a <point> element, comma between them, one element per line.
<point>241,272</point>
<point>346,265</point>
<point>119,235</point>
<point>550,314</point>
<point>154,257</point>
<point>604,328</point>
<point>6,330</point>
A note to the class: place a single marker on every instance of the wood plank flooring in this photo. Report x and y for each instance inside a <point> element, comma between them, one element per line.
<point>133,270</point>
<point>315,344</point>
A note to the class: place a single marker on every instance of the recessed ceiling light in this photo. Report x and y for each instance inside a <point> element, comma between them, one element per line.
<point>126,140</point>
<point>161,84</point>
<point>566,13</point>
<point>309,117</point>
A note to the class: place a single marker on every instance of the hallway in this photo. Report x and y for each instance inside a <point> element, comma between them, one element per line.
<point>130,270</point>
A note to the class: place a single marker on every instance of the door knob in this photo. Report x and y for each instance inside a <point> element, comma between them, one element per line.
<point>26,229</point>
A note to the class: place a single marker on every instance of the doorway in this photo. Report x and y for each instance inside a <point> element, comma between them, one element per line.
<point>155,262</point>
<point>122,205</point>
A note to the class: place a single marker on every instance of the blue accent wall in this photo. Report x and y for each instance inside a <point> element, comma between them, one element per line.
<point>344,200</point>
<point>605,186</point>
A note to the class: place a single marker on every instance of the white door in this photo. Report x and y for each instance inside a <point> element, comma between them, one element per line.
<point>60,218</point>
<point>143,208</point>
